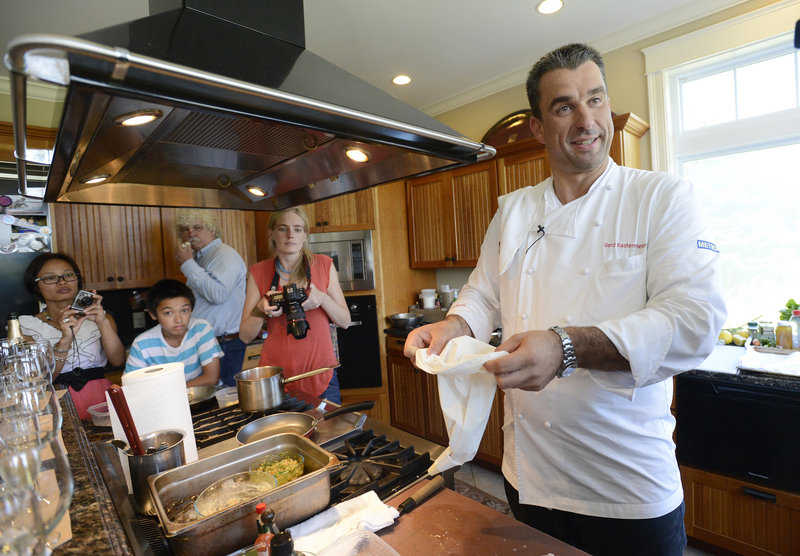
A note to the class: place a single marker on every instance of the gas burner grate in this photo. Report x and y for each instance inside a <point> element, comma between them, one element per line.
<point>374,463</point>
<point>215,424</point>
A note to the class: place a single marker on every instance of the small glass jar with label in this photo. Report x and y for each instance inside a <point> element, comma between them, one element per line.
<point>783,334</point>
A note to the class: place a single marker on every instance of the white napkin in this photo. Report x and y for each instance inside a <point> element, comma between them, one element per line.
<point>771,362</point>
<point>466,393</point>
<point>363,512</point>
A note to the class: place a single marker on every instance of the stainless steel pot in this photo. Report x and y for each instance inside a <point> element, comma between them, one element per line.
<point>261,388</point>
<point>298,423</point>
<point>198,394</point>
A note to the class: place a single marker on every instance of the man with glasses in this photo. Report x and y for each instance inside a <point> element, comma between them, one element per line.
<point>216,274</point>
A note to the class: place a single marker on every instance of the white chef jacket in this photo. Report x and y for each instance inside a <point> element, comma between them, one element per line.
<point>633,257</point>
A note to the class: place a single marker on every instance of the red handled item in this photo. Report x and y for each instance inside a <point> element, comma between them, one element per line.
<point>124,413</point>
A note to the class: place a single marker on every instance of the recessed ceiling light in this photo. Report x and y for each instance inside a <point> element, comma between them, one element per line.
<point>359,155</point>
<point>401,80</point>
<point>140,117</point>
<point>548,7</point>
<point>95,179</point>
<point>257,191</point>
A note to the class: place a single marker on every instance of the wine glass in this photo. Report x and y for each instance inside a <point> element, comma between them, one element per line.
<point>29,367</point>
<point>54,488</point>
<point>42,350</point>
<point>41,397</point>
<point>20,529</point>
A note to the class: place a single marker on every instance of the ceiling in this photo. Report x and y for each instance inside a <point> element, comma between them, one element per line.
<point>456,51</point>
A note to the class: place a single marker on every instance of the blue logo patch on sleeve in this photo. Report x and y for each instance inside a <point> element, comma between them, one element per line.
<point>707,245</point>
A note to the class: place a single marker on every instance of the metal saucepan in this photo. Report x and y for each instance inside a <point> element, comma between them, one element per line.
<point>199,394</point>
<point>300,423</point>
<point>261,388</point>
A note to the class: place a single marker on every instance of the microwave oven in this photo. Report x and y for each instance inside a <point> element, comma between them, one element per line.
<point>352,256</point>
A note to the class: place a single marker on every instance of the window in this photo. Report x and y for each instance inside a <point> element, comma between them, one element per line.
<point>732,126</point>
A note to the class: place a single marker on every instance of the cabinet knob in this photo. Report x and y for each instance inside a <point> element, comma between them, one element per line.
<point>120,278</point>
<point>319,224</point>
<point>324,222</point>
<point>110,279</point>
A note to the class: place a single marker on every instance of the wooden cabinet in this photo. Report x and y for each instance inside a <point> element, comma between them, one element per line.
<point>413,396</point>
<point>739,516</point>
<point>134,247</point>
<point>490,449</point>
<point>115,247</point>
<point>354,211</point>
<point>38,138</point>
<point>448,214</point>
<point>237,229</point>
<point>449,211</point>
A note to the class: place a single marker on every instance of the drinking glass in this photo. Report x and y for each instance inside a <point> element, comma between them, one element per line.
<point>42,350</point>
<point>29,367</point>
<point>20,529</point>
<point>20,443</point>
<point>7,347</point>
<point>40,397</point>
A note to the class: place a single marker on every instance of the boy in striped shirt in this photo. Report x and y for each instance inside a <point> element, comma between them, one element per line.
<point>178,338</point>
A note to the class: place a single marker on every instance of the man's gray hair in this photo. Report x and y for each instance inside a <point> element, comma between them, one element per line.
<point>187,217</point>
<point>570,57</point>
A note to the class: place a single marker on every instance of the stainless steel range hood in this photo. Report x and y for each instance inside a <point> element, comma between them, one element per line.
<point>245,117</point>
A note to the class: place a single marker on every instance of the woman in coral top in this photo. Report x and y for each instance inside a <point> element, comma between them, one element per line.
<point>293,262</point>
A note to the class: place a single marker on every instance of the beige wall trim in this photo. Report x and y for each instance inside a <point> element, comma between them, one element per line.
<point>739,31</point>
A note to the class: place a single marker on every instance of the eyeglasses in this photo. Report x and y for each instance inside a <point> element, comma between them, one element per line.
<point>55,278</point>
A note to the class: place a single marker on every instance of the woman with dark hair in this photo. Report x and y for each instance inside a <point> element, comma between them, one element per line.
<point>295,263</point>
<point>85,342</point>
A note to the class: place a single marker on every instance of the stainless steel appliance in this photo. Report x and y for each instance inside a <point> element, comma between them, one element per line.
<point>396,460</point>
<point>230,111</point>
<point>352,256</point>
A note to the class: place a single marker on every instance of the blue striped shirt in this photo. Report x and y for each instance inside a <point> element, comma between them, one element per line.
<point>199,347</point>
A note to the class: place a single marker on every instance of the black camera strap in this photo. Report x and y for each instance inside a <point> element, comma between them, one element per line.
<point>276,279</point>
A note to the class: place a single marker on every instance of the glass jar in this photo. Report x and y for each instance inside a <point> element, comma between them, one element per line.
<point>794,321</point>
<point>783,334</point>
<point>767,331</point>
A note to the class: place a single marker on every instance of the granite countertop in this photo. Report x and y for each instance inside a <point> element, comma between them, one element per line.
<point>721,366</point>
<point>95,526</point>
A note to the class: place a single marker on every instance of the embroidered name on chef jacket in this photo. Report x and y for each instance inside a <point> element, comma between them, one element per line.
<point>625,245</point>
<point>707,245</point>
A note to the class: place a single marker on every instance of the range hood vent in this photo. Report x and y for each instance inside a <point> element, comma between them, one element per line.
<point>242,115</point>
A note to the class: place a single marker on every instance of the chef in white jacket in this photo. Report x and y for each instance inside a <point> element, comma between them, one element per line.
<point>606,283</point>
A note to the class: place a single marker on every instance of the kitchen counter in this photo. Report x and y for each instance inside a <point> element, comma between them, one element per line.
<point>448,523</point>
<point>721,364</point>
<point>95,527</point>
<point>445,522</point>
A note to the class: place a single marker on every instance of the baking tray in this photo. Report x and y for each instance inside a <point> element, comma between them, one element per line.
<point>229,530</point>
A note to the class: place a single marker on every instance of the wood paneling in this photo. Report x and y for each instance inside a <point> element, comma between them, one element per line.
<point>115,247</point>
<point>353,211</point>
<point>739,516</point>
<point>38,138</point>
<point>406,397</point>
<point>449,213</point>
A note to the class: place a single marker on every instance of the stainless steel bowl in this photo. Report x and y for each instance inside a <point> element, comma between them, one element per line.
<point>405,320</point>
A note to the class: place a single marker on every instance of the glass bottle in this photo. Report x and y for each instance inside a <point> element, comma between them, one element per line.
<point>264,535</point>
<point>794,321</point>
<point>752,328</point>
<point>14,332</point>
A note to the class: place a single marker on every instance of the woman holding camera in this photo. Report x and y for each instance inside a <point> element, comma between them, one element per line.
<point>85,341</point>
<point>289,343</point>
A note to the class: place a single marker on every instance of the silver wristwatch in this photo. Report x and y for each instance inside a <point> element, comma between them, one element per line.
<point>569,362</point>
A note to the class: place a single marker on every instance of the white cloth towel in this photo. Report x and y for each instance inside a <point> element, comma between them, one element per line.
<point>466,393</point>
<point>363,512</point>
<point>770,362</point>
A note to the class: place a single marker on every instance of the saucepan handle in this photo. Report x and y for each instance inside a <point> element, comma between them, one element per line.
<point>358,406</point>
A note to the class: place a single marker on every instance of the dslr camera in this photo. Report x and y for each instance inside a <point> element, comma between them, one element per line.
<point>83,300</point>
<point>290,300</point>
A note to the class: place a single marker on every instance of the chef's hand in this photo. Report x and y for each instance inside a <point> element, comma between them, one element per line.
<point>183,252</point>
<point>315,298</point>
<point>435,336</point>
<point>265,306</point>
<point>532,361</point>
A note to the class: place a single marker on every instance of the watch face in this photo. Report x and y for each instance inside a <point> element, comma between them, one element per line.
<point>566,372</point>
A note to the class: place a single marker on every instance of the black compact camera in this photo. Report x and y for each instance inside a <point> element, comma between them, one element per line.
<point>290,300</point>
<point>83,300</point>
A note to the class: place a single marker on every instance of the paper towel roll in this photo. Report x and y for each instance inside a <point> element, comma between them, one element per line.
<point>157,400</point>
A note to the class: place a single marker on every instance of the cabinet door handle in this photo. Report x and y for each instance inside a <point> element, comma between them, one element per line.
<point>110,279</point>
<point>761,495</point>
<point>319,224</point>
